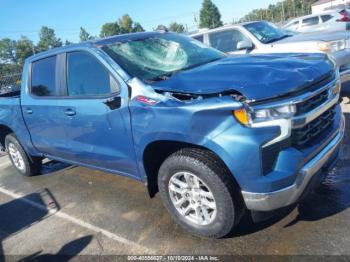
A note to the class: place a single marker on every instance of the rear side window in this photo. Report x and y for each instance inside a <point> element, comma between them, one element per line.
<point>326,18</point>
<point>86,76</point>
<point>200,38</point>
<point>43,77</point>
<point>311,21</point>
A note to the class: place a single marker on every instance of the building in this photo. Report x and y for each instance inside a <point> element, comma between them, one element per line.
<point>324,5</point>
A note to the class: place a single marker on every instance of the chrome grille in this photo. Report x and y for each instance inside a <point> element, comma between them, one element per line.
<point>312,103</point>
<point>313,131</point>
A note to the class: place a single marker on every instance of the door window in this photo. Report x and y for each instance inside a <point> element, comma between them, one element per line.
<point>311,21</point>
<point>226,41</point>
<point>326,18</point>
<point>43,77</point>
<point>86,76</point>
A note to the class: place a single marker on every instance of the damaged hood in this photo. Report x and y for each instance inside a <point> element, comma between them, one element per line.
<point>257,77</point>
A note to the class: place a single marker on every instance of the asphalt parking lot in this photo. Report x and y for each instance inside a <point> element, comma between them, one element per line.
<point>72,210</point>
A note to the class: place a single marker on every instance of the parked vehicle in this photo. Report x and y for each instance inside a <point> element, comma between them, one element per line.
<point>335,20</point>
<point>263,37</point>
<point>215,135</point>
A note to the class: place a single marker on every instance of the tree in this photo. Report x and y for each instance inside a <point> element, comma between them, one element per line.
<point>138,28</point>
<point>126,24</point>
<point>9,69</point>
<point>67,43</point>
<point>84,35</point>
<point>24,49</point>
<point>282,11</point>
<point>176,27</point>
<point>8,51</point>
<point>110,29</point>
<point>48,39</point>
<point>210,16</point>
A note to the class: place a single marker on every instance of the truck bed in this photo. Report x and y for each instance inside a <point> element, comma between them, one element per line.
<point>12,91</point>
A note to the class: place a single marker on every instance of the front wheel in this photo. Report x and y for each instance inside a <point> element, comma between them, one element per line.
<point>199,193</point>
<point>24,165</point>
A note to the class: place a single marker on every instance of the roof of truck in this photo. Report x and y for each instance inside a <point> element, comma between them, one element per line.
<point>96,43</point>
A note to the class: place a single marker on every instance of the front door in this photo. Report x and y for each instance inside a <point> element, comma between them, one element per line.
<point>97,118</point>
<point>227,41</point>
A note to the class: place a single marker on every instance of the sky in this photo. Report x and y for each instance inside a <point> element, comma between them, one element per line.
<point>26,17</point>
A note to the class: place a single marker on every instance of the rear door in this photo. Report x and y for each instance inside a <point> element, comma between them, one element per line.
<point>96,113</point>
<point>42,109</point>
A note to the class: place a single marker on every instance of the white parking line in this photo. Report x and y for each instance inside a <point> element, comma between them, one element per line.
<point>5,163</point>
<point>77,221</point>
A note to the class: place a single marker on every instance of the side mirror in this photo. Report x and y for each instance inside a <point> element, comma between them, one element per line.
<point>245,45</point>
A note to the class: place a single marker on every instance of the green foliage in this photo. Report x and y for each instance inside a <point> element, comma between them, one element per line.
<point>48,39</point>
<point>138,28</point>
<point>210,16</point>
<point>67,43</point>
<point>282,11</point>
<point>124,25</point>
<point>84,35</point>
<point>110,29</point>
<point>14,53</point>
<point>9,69</point>
<point>24,49</point>
<point>176,27</point>
<point>8,51</point>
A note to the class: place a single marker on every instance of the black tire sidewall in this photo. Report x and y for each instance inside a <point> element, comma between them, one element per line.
<point>225,217</point>
<point>28,167</point>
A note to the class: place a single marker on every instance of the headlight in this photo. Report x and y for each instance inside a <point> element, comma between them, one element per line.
<point>330,58</point>
<point>333,46</point>
<point>337,88</point>
<point>250,116</point>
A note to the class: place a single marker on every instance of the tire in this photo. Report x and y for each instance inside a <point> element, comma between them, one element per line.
<point>206,172</point>
<point>26,166</point>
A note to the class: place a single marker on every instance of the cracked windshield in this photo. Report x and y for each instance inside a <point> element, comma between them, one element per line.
<point>158,58</point>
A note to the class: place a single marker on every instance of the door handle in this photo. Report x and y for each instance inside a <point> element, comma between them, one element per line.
<point>70,112</point>
<point>29,111</point>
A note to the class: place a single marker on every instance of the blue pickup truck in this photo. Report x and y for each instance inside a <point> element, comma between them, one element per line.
<point>214,135</point>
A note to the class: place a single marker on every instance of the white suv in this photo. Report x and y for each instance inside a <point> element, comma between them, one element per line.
<point>261,37</point>
<point>338,20</point>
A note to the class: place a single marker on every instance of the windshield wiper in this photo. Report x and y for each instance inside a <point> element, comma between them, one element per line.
<point>168,75</point>
<point>160,77</point>
<point>277,39</point>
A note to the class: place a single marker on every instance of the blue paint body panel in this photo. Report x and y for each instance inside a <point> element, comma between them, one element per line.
<point>115,140</point>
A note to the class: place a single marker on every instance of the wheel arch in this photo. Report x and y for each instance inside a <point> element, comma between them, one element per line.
<point>4,131</point>
<point>157,152</point>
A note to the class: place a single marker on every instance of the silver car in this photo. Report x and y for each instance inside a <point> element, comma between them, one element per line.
<point>263,37</point>
<point>336,20</point>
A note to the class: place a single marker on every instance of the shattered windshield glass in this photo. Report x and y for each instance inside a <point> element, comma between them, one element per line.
<point>158,57</point>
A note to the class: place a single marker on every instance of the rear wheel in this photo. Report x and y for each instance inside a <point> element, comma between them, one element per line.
<point>24,165</point>
<point>199,193</point>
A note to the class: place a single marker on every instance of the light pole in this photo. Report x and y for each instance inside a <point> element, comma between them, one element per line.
<point>294,9</point>
<point>283,17</point>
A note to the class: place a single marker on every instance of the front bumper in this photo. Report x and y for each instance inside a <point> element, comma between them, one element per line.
<point>289,195</point>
